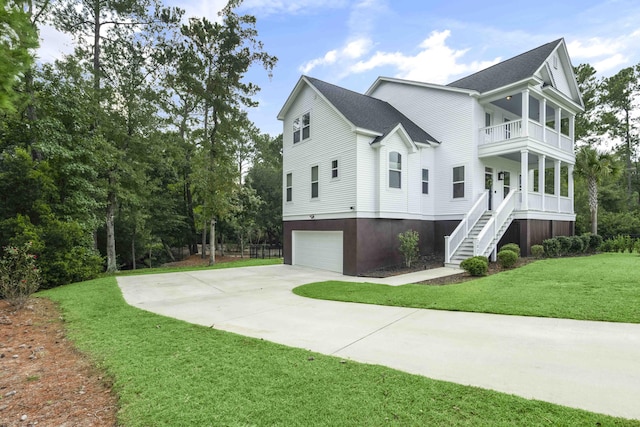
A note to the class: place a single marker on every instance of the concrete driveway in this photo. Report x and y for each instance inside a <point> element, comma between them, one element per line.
<point>588,365</point>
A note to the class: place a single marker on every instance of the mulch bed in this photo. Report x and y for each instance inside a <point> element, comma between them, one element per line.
<point>44,380</point>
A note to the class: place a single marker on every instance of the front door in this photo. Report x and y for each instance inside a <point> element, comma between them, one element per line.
<point>488,184</point>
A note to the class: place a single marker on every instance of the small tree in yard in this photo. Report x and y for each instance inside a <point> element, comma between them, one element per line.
<point>409,246</point>
<point>19,276</point>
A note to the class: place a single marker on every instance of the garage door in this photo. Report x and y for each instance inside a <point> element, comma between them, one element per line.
<point>317,249</point>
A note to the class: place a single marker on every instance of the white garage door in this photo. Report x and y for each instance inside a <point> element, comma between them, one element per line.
<point>317,249</point>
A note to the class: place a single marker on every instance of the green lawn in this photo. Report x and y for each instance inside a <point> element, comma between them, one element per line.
<point>242,262</point>
<point>170,373</point>
<point>600,287</point>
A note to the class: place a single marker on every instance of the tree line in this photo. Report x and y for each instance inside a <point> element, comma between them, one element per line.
<point>138,141</point>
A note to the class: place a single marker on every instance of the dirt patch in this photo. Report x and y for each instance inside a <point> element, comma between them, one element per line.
<point>44,380</point>
<point>395,270</point>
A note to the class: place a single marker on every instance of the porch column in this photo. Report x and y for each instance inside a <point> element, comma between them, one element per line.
<point>524,179</point>
<point>525,112</point>
<point>570,176</point>
<point>541,166</point>
<point>543,118</point>
<point>556,182</point>
<point>558,127</point>
<point>572,127</point>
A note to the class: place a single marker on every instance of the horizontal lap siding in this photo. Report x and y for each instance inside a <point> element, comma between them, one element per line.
<point>331,138</point>
<point>367,176</point>
<point>449,118</point>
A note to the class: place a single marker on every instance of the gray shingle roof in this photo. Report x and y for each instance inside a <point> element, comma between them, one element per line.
<point>369,113</point>
<point>506,72</point>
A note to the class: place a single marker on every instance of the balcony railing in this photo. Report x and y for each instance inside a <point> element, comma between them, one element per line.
<point>515,129</point>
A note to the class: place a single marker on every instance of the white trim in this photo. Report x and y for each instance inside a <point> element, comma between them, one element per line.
<point>379,80</point>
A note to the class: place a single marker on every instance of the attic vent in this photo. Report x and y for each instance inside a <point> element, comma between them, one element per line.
<point>555,61</point>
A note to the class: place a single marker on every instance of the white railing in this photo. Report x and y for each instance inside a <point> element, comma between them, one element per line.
<point>453,241</point>
<point>489,234</point>
<point>510,130</point>
<point>501,132</point>
<point>566,205</point>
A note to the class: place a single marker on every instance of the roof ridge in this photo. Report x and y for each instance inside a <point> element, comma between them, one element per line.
<point>555,42</point>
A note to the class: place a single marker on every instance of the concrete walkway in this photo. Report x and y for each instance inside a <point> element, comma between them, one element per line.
<point>588,365</point>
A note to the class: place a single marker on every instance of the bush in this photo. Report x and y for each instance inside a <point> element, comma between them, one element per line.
<point>537,251</point>
<point>619,244</point>
<point>19,276</point>
<point>595,240</point>
<point>409,246</point>
<point>565,244</point>
<point>507,258</point>
<point>577,245</point>
<point>551,247</point>
<point>513,247</point>
<point>586,239</point>
<point>475,266</point>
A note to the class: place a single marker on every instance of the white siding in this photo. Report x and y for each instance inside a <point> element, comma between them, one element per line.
<point>368,172</point>
<point>331,138</point>
<point>453,119</point>
<point>558,72</point>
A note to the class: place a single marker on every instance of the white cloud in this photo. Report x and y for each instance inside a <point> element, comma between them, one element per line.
<point>298,7</point>
<point>202,9</point>
<point>349,52</point>
<point>435,62</point>
<point>53,44</point>
<point>606,55</point>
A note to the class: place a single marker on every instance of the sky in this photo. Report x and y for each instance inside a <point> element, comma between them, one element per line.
<point>352,42</point>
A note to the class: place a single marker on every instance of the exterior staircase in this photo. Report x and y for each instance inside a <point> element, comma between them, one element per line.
<point>465,250</point>
<point>482,237</point>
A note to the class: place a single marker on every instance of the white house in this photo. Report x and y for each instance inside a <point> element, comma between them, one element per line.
<point>482,161</point>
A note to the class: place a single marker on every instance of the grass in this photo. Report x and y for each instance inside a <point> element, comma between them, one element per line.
<point>601,287</point>
<point>168,372</point>
<point>246,262</point>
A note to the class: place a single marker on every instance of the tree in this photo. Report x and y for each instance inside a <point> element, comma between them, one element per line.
<point>113,27</point>
<point>18,38</point>
<point>593,167</point>
<point>587,122</point>
<point>620,96</point>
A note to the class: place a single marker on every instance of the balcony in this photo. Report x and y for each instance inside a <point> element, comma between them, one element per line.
<point>516,135</point>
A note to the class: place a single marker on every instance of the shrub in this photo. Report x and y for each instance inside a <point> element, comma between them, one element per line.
<point>513,247</point>
<point>637,246</point>
<point>586,239</point>
<point>409,246</point>
<point>565,244</point>
<point>537,251</point>
<point>507,258</point>
<point>475,266</point>
<point>19,276</point>
<point>577,245</point>
<point>551,247</point>
<point>595,240</point>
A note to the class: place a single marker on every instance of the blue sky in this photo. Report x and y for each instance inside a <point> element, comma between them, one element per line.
<point>352,42</point>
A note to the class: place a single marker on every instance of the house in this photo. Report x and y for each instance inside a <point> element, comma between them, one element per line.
<point>483,161</point>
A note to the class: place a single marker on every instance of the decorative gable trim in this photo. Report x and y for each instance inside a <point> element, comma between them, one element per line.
<point>404,136</point>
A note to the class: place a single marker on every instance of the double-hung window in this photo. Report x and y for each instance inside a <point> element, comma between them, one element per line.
<point>289,187</point>
<point>395,170</point>
<point>314,182</point>
<point>458,182</point>
<point>301,127</point>
<point>334,169</point>
<point>425,181</point>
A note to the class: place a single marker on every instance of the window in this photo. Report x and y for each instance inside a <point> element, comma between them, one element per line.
<point>301,127</point>
<point>334,169</point>
<point>395,169</point>
<point>425,181</point>
<point>458,182</point>
<point>314,182</point>
<point>506,183</point>
<point>289,187</point>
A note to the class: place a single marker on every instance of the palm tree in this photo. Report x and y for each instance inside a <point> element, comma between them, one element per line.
<point>593,167</point>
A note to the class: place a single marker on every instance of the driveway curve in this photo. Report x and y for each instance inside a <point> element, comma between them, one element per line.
<point>588,365</point>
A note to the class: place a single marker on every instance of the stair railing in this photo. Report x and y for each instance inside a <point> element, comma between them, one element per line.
<point>494,228</point>
<point>453,241</point>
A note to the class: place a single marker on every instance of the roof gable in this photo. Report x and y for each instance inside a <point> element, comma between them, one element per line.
<point>518,68</point>
<point>365,112</point>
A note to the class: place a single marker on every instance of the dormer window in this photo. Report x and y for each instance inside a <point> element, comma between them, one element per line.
<point>301,127</point>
